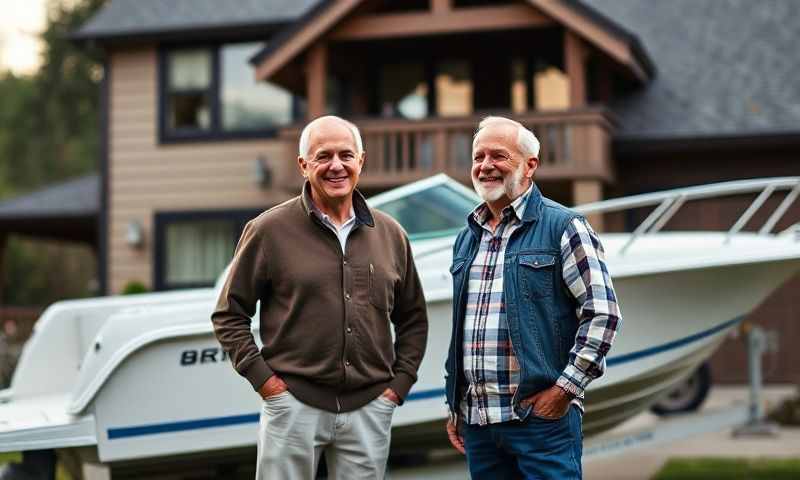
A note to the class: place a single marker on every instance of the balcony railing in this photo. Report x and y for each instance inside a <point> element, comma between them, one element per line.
<point>575,144</point>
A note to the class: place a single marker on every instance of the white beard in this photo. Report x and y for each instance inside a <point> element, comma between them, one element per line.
<point>512,186</point>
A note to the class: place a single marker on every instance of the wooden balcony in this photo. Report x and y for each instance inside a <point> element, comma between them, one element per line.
<point>575,145</point>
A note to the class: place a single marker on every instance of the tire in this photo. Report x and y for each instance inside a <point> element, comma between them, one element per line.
<point>687,396</point>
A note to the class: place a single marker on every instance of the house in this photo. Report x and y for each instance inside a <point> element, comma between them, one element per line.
<point>203,102</point>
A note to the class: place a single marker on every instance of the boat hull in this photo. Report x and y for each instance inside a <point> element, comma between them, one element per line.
<point>166,400</point>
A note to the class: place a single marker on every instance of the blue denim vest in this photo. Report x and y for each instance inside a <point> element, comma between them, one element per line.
<point>540,311</point>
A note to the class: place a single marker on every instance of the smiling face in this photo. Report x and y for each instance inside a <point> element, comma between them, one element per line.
<point>332,163</point>
<point>500,171</point>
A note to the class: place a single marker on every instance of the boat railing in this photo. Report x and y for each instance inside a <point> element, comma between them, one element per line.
<point>667,204</point>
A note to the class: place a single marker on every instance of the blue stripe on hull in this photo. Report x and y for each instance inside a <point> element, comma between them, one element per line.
<point>123,432</point>
<point>127,432</point>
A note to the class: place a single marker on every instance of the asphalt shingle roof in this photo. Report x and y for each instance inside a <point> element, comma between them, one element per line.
<point>79,197</point>
<point>724,67</point>
<point>142,17</point>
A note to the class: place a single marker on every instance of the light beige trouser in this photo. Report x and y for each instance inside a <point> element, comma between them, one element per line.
<point>293,435</point>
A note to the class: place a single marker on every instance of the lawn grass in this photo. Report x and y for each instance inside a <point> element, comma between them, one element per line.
<point>7,457</point>
<point>730,469</point>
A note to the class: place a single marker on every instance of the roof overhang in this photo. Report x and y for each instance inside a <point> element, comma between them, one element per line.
<point>619,44</point>
<point>66,211</point>
<point>178,35</point>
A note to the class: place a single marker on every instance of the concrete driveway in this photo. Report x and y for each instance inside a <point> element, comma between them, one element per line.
<point>642,464</point>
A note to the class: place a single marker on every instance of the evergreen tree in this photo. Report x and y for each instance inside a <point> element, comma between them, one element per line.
<point>49,132</point>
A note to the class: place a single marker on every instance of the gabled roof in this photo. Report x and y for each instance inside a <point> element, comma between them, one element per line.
<point>725,67</point>
<point>149,18</point>
<point>583,20</point>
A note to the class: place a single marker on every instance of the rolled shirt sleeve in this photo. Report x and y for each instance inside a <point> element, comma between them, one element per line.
<point>586,276</point>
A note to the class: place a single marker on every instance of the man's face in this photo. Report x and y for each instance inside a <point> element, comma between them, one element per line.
<point>500,172</point>
<point>332,163</point>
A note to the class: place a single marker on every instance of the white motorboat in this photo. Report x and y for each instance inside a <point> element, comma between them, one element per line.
<point>137,380</point>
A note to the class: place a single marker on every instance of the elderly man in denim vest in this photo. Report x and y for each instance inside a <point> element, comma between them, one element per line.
<point>534,315</point>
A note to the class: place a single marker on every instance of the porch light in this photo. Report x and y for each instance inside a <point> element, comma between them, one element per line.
<point>134,234</point>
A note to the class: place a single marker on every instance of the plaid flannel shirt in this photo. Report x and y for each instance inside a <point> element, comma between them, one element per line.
<point>491,369</point>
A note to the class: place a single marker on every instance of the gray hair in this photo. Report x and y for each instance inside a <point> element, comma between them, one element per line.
<point>306,134</point>
<point>527,142</point>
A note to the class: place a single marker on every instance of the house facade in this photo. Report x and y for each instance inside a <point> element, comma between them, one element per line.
<point>203,105</point>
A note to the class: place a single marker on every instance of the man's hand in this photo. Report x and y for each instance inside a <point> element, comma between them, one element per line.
<point>273,386</point>
<point>552,403</point>
<point>454,435</point>
<point>391,395</point>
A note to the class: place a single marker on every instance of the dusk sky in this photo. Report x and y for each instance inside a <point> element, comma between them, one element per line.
<point>20,23</point>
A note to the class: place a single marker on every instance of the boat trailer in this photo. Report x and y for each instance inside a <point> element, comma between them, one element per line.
<point>747,419</point>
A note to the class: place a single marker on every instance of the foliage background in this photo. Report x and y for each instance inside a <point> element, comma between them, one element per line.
<point>49,132</point>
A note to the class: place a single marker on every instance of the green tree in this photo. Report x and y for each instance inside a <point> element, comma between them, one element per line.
<point>58,135</point>
<point>49,132</point>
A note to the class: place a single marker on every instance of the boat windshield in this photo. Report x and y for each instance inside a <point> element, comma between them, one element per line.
<point>437,211</point>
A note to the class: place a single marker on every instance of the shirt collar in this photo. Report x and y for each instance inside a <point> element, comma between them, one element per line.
<point>360,208</point>
<point>327,219</point>
<point>481,214</point>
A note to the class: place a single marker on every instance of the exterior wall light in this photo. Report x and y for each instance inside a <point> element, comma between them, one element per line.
<point>134,234</point>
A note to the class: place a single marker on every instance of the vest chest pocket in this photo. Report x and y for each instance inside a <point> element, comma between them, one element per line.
<point>381,287</point>
<point>537,274</point>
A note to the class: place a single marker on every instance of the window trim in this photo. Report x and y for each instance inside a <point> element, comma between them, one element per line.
<point>215,132</point>
<point>163,219</point>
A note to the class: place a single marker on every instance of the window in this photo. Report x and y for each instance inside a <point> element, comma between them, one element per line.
<point>538,85</point>
<point>453,89</point>
<point>551,88</point>
<point>403,91</point>
<point>198,251</point>
<point>247,104</point>
<point>519,86</point>
<point>192,248</point>
<point>189,88</point>
<point>439,210</point>
<point>211,92</point>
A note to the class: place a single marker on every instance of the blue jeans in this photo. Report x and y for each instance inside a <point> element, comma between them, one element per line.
<point>534,448</point>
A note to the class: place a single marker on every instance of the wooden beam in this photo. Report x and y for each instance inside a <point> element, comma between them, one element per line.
<point>441,6</point>
<point>593,33</point>
<point>458,20</point>
<point>303,38</point>
<point>316,75</point>
<point>575,63</point>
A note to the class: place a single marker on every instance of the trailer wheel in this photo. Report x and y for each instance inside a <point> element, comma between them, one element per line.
<point>688,395</point>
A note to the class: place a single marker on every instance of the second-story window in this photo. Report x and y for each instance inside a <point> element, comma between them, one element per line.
<point>189,90</point>
<point>246,103</point>
<point>211,93</point>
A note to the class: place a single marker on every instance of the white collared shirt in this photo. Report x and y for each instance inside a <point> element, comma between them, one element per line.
<point>343,231</point>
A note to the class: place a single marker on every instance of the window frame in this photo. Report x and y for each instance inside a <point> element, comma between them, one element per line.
<point>215,131</point>
<point>162,220</point>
